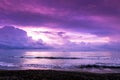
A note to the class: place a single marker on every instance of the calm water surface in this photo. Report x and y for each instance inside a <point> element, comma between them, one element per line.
<point>36,59</point>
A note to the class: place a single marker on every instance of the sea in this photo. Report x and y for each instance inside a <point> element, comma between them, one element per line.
<point>91,61</point>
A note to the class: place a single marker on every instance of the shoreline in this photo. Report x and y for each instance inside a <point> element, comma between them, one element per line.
<point>55,75</point>
<point>81,68</point>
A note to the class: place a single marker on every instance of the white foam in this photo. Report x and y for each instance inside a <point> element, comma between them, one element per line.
<point>5,64</point>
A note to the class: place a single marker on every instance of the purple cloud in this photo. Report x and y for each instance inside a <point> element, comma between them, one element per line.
<point>99,17</point>
<point>11,37</point>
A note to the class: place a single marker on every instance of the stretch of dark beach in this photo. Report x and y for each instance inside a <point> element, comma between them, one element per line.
<point>55,75</point>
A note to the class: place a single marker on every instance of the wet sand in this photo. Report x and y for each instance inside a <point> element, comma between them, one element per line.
<point>55,75</point>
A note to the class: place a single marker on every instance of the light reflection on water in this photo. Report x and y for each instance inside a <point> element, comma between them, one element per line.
<point>24,59</point>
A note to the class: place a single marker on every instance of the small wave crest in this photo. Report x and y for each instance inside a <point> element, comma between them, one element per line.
<point>40,57</point>
<point>5,64</point>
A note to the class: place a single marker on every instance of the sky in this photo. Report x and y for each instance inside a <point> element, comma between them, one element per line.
<point>61,24</point>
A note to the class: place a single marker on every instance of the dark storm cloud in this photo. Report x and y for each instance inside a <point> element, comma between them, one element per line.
<point>26,18</point>
<point>100,17</point>
<point>101,7</point>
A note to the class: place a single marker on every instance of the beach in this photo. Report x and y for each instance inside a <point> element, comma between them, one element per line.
<point>46,65</point>
<point>55,75</point>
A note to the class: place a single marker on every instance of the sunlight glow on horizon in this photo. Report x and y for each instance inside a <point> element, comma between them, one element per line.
<point>50,36</point>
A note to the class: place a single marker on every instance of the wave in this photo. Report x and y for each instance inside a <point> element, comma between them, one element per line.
<point>5,64</point>
<point>39,57</point>
<point>53,57</point>
<point>67,66</point>
<point>98,66</point>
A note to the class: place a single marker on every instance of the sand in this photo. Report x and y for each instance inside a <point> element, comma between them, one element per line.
<point>55,75</point>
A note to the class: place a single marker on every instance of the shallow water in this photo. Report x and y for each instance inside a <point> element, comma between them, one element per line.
<point>38,59</point>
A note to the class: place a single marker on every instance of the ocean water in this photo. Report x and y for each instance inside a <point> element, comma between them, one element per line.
<point>63,60</point>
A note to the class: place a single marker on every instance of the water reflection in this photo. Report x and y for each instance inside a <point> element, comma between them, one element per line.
<point>85,58</point>
<point>45,62</point>
<point>30,59</point>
